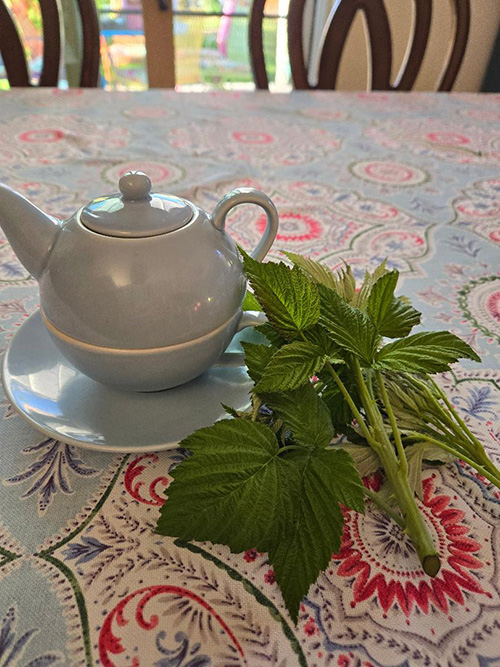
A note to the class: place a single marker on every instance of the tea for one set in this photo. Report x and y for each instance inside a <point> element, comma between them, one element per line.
<point>136,342</point>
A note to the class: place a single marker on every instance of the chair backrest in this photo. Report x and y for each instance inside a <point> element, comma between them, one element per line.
<point>379,43</point>
<point>13,54</point>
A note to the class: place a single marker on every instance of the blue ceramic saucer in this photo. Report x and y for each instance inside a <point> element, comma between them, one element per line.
<point>57,399</point>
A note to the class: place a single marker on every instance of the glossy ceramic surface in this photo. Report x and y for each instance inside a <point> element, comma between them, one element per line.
<point>136,291</point>
<point>136,271</point>
<point>58,400</point>
<point>151,369</point>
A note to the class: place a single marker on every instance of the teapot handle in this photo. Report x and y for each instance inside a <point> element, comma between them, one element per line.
<point>249,196</point>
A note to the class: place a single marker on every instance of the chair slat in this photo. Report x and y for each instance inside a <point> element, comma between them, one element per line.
<point>380,44</point>
<point>256,42</point>
<point>14,57</point>
<point>51,43</point>
<point>11,50</point>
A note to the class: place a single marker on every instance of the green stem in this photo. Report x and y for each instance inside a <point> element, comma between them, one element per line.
<point>350,402</point>
<point>458,454</point>
<point>375,497</point>
<point>414,521</point>
<point>256,405</point>
<point>403,463</point>
<point>457,417</point>
<point>466,438</point>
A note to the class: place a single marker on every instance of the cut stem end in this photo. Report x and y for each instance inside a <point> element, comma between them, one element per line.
<point>431,565</point>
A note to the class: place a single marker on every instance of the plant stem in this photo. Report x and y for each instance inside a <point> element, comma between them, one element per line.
<point>466,438</point>
<point>414,521</point>
<point>465,429</point>
<point>350,402</point>
<point>459,455</point>
<point>403,463</point>
<point>375,497</point>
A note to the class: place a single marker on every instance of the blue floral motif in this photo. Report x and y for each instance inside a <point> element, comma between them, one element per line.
<point>478,403</point>
<point>49,471</point>
<point>12,647</point>
<point>177,657</point>
<point>460,244</point>
<point>177,457</point>
<point>85,551</point>
<point>12,270</point>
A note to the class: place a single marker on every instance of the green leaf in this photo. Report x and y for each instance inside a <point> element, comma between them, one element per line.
<point>271,334</point>
<point>250,302</point>
<point>290,367</point>
<point>360,299</point>
<point>393,317</point>
<point>415,455</point>
<point>305,413</point>
<point>427,352</point>
<point>349,327</point>
<point>321,274</point>
<point>327,477</point>
<point>319,336</point>
<point>342,282</point>
<point>365,459</point>
<point>257,356</point>
<point>234,490</point>
<point>340,412</point>
<point>289,299</point>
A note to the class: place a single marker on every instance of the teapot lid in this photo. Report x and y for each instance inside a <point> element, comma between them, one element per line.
<point>136,212</point>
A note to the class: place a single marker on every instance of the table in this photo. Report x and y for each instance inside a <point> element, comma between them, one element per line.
<point>411,177</point>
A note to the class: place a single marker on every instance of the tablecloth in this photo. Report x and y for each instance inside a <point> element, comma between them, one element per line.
<point>356,177</point>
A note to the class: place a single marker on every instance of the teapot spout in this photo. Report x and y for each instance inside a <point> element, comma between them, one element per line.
<point>31,232</point>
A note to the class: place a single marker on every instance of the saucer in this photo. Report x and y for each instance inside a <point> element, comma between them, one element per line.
<point>57,399</point>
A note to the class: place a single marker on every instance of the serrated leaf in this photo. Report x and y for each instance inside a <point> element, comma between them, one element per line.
<point>347,284</point>
<point>320,337</point>
<point>271,334</point>
<point>360,299</point>
<point>393,317</point>
<point>290,367</point>
<point>250,302</point>
<point>305,413</point>
<point>234,490</point>
<point>365,459</point>
<point>327,478</point>
<point>415,455</point>
<point>289,299</point>
<point>427,352</point>
<point>320,273</point>
<point>340,412</point>
<point>257,356</point>
<point>348,326</point>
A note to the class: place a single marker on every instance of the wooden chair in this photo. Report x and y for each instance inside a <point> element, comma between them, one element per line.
<point>13,55</point>
<point>379,38</point>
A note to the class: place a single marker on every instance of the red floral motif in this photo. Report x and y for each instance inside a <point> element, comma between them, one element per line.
<point>253,137</point>
<point>43,136</point>
<point>493,305</point>
<point>110,644</point>
<point>373,481</point>
<point>310,628</point>
<point>448,138</point>
<point>270,577</point>
<point>401,581</point>
<point>134,470</point>
<point>251,555</point>
<point>294,227</point>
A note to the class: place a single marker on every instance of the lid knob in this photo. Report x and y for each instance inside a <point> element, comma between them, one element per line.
<point>135,185</point>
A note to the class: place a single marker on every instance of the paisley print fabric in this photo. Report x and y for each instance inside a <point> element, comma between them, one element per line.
<point>358,177</point>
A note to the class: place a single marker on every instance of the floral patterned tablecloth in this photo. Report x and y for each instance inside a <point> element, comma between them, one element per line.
<point>359,177</point>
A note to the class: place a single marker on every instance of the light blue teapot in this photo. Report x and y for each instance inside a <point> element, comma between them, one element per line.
<point>138,290</point>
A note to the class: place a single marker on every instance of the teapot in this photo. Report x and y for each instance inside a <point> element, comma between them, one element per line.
<point>138,290</point>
